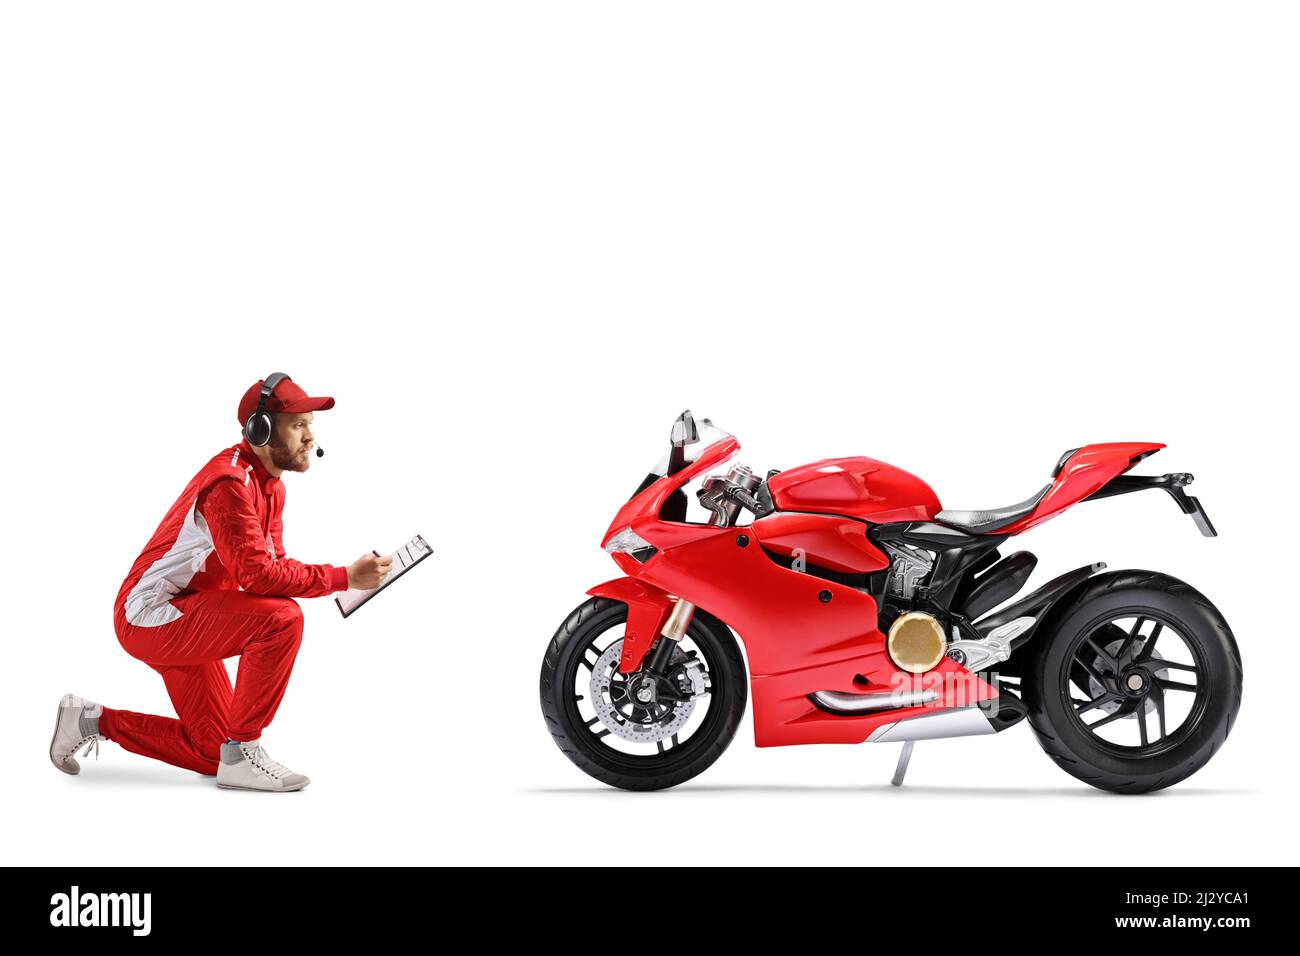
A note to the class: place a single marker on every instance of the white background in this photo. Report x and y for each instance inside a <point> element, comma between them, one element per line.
<point>515,240</point>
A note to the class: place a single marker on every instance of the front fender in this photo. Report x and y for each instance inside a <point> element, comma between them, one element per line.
<point>647,610</point>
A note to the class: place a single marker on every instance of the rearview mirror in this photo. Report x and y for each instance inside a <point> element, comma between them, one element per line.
<point>684,430</point>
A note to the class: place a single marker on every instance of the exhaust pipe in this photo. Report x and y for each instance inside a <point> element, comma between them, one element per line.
<point>838,702</point>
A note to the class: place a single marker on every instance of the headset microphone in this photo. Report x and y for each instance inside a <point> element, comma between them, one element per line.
<point>320,452</point>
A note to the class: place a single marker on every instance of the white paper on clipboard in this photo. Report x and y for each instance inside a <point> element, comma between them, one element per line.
<point>404,558</point>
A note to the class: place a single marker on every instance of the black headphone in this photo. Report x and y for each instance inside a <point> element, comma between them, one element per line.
<point>259,427</point>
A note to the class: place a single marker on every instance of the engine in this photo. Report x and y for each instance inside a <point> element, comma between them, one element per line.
<point>909,568</point>
<point>916,640</point>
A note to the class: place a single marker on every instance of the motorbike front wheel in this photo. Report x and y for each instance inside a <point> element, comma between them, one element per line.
<point>641,731</point>
<point>1136,684</point>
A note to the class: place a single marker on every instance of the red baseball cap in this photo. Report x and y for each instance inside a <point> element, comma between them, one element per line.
<point>287,397</point>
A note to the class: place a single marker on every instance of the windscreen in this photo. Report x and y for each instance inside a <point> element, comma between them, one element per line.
<point>698,434</point>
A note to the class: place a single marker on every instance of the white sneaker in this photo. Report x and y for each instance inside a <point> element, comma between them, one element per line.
<point>76,725</point>
<point>246,766</point>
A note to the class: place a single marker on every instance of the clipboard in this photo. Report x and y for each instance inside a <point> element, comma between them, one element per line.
<point>404,558</point>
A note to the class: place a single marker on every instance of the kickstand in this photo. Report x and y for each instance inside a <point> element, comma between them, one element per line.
<point>901,770</point>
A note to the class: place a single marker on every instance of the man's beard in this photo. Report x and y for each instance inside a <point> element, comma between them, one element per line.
<point>286,460</point>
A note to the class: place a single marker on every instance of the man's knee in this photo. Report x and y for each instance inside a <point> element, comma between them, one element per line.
<point>286,620</point>
<point>285,626</point>
<point>207,734</point>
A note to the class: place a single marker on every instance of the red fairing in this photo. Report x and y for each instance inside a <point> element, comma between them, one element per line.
<point>839,544</point>
<point>797,642</point>
<point>1086,471</point>
<point>856,487</point>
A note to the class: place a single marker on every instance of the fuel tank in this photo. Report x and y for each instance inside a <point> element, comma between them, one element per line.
<point>856,487</point>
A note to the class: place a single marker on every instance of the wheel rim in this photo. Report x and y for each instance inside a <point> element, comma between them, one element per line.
<point>596,652</point>
<point>1135,683</point>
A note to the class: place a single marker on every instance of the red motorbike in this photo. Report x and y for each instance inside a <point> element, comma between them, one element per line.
<point>871,613</point>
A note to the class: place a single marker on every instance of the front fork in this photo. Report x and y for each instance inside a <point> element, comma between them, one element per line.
<point>660,664</point>
<point>674,629</point>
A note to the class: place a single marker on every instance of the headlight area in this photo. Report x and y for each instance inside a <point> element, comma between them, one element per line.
<point>629,542</point>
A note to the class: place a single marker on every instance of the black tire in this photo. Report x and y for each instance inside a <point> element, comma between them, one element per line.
<point>1054,661</point>
<point>634,771</point>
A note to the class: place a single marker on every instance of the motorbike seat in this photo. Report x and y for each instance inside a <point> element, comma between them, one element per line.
<point>992,519</point>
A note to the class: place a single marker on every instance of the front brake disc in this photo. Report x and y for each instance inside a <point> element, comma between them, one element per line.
<point>622,723</point>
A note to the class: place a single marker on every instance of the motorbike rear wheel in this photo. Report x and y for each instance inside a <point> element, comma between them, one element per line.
<point>1134,685</point>
<point>604,729</point>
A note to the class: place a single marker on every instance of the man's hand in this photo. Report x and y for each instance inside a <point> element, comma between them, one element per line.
<point>367,571</point>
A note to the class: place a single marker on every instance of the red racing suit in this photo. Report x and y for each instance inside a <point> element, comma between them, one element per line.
<point>214,582</point>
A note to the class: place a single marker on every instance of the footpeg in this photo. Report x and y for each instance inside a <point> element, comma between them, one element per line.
<point>903,759</point>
